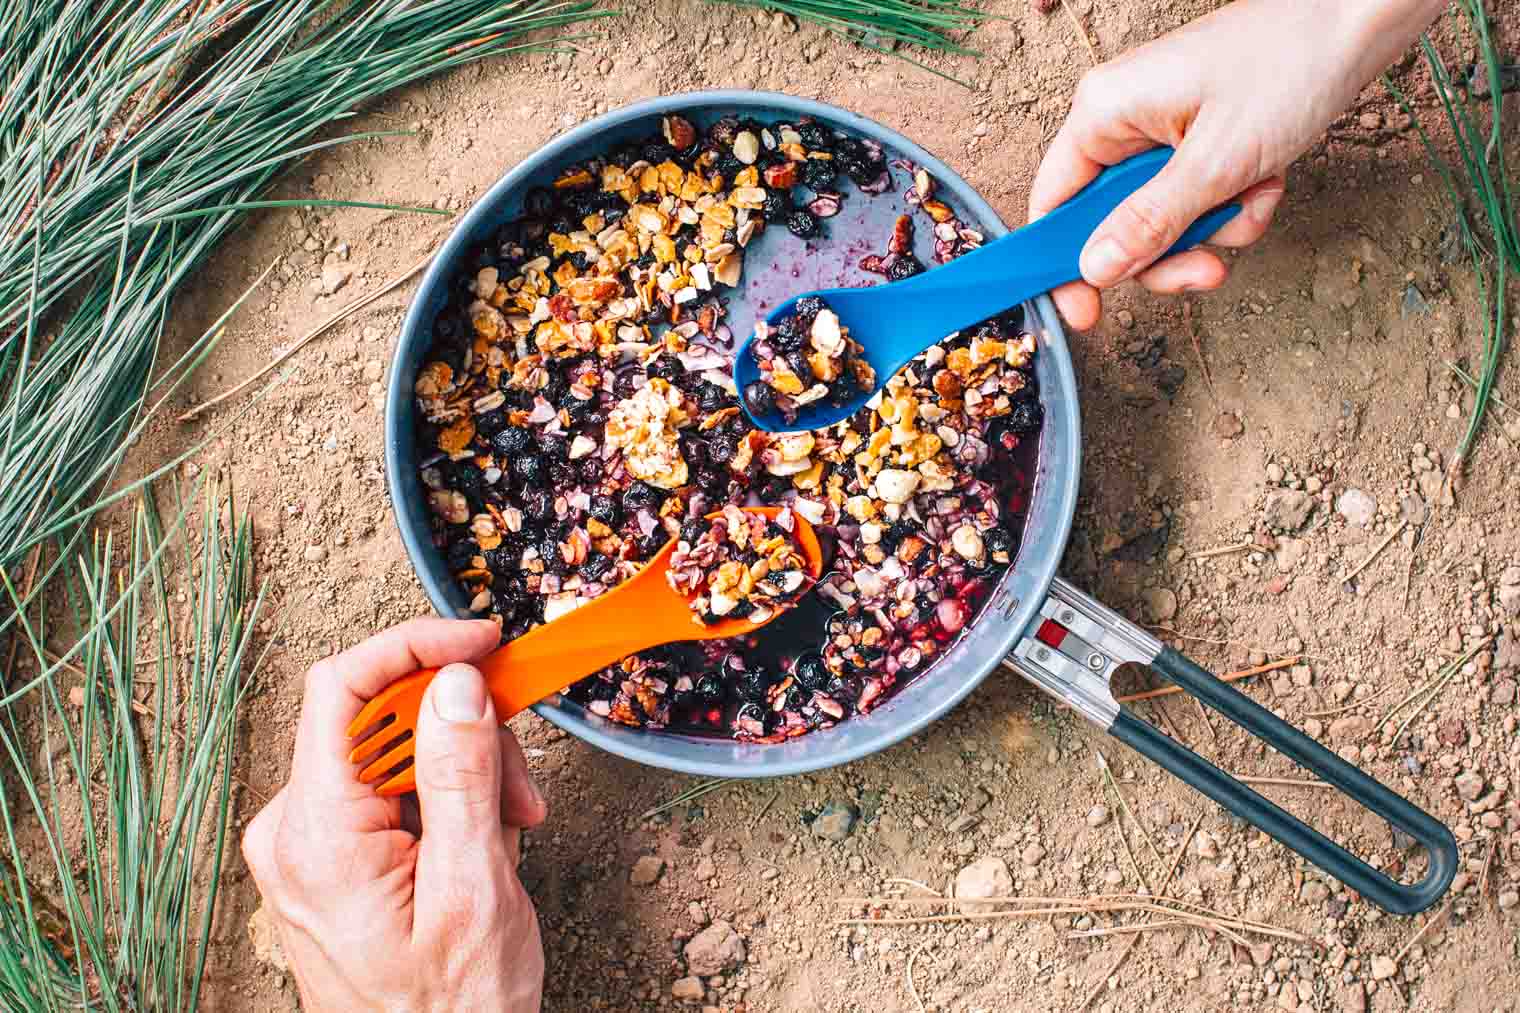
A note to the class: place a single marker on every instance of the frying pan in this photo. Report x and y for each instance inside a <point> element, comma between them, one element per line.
<point>1063,641</point>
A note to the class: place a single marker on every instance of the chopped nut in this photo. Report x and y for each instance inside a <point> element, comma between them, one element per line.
<point>896,486</point>
<point>746,147</point>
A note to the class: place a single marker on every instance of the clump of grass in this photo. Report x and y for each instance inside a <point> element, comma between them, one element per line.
<point>1483,196</point>
<point>883,25</point>
<point>115,819</point>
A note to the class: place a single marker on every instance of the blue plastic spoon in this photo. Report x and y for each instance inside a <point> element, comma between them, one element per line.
<point>895,322</point>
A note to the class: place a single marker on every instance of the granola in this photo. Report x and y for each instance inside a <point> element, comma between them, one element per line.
<point>809,356</point>
<point>742,566</point>
<point>578,415</point>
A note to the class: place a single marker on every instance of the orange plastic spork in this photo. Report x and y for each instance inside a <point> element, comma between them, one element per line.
<point>642,612</point>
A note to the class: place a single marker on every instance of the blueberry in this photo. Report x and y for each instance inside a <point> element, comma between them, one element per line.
<point>788,334</point>
<point>721,450</point>
<point>512,440</point>
<point>596,566</point>
<point>502,559</point>
<point>778,204</point>
<point>667,367</point>
<point>811,672</point>
<point>461,552</point>
<point>653,542</point>
<point>798,361</point>
<point>529,468</point>
<point>712,481</point>
<point>808,307</point>
<point>711,397</point>
<point>469,479</point>
<point>605,509</point>
<point>490,423</point>
<point>538,504</point>
<point>905,266</point>
<point>1026,417</point>
<point>802,224</point>
<point>642,496</point>
<point>694,529</point>
<point>815,137</point>
<point>819,174</point>
<point>755,713</point>
<point>753,684</point>
<point>590,469</point>
<point>709,689</point>
<point>759,399</point>
<point>554,446</point>
<point>627,383</point>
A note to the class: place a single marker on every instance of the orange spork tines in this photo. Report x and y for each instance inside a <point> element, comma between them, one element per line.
<point>642,612</point>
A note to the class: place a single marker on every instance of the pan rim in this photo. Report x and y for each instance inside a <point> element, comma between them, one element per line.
<point>1013,605</point>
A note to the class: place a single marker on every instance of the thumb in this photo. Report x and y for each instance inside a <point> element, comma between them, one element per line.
<point>1152,218</point>
<point>458,764</point>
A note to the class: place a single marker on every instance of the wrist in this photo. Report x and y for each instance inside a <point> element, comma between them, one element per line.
<point>1377,32</point>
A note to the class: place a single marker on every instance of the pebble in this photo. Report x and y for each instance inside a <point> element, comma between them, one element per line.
<point>696,912</point>
<point>986,877</point>
<point>1508,900</point>
<point>1033,855</point>
<point>265,937</point>
<point>1097,816</point>
<point>1160,603</point>
<point>714,950</point>
<point>1314,892</point>
<point>836,821</point>
<point>1287,509</point>
<point>373,370</point>
<point>706,869</point>
<point>1383,967</point>
<point>315,553</point>
<point>689,989</point>
<point>1227,426</point>
<point>1205,846</point>
<point>1347,728</point>
<point>1469,785</point>
<point>1274,473</point>
<point>1126,319</point>
<point>646,870</point>
<point>1357,507</point>
<point>334,277</point>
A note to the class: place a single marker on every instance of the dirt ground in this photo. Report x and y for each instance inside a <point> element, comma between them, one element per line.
<point>1320,387</point>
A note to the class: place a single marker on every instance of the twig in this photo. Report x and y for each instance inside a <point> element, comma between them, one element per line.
<point>1103,765</point>
<point>764,809</point>
<point>1203,918</point>
<point>1076,23</point>
<point>1430,923</point>
<point>1353,705</point>
<point>1433,687</point>
<point>1159,705</point>
<point>1245,673</point>
<point>1181,852</point>
<point>1203,364</point>
<point>1103,981</point>
<point>1125,930</point>
<point>1204,714</point>
<point>1131,853</point>
<point>308,337</point>
<point>1223,550</point>
<point>912,988</point>
<point>1283,782</point>
<point>1348,578</point>
<point>1488,867</point>
<point>696,791</point>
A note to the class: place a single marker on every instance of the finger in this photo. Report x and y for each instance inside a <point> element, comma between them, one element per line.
<point>338,687</point>
<point>1079,303</point>
<point>1064,170</point>
<point>1193,271</point>
<point>1258,205</point>
<point>522,804</point>
<point>459,775</point>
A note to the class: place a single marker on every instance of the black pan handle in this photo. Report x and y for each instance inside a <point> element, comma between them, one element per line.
<point>1073,650</point>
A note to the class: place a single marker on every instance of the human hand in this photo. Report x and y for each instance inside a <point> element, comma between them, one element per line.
<point>370,915</point>
<point>1239,94</point>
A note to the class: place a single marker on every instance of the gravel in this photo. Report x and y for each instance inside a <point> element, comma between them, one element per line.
<point>715,950</point>
<point>984,878</point>
<point>836,821</point>
<point>646,871</point>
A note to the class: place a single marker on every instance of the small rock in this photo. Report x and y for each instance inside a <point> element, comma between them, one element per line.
<point>1205,846</point>
<point>1354,998</point>
<point>374,369</point>
<point>1508,900</point>
<point>1287,509</point>
<point>696,912</point>
<point>315,553</point>
<point>1415,304</point>
<point>1126,319</point>
<point>1370,121</point>
<point>646,870</point>
<point>1469,785</point>
<point>1413,509</point>
<point>1160,603</point>
<point>1274,473</point>
<point>1033,855</point>
<point>1348,729</point>
<point>688,989</point>
<point>1383,967</point>
<point>1227,426</point>
<point>1097,816</point>
<point>705,868</point>
<point>1341,691</point>
<point>836,821</point>
<point>962,823</point>
<point>1261,954</point>
<point>1287,997</point>
<point>715,950</point>
<point>266,940</point>
<point>1302,675</point>
<point>1314,892</point>
<point>1290,553</point>
<point>1451,732</point>
<point>334,277</point>
<point>1504,692</point>
<point>1357,507</point>
<point>986,877</point>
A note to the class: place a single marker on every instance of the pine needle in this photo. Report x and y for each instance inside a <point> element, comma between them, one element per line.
<point>696,791</point>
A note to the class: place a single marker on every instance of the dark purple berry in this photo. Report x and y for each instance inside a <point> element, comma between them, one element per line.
<point>605,509</point>
<point>759,399</point>
<point>529,468</point>
<point>512,440</point>
<point>1026,417</point>
<point>905,266</point>
<point>812,672</point>
<point>819,174</point>
<point>802,224</point>
<point>798,361</point>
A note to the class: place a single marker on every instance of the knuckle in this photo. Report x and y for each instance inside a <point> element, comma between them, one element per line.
<point>319,674</point>
<point>461,768</point>
<point>1146,221</point>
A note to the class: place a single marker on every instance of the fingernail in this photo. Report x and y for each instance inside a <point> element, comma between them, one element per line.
<point>1104,262</point>
<point>1260,207</point>
<point>533,792</point>
<point>459,693</point>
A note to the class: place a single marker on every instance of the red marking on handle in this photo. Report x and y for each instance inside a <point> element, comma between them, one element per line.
<point>1051,634</point>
